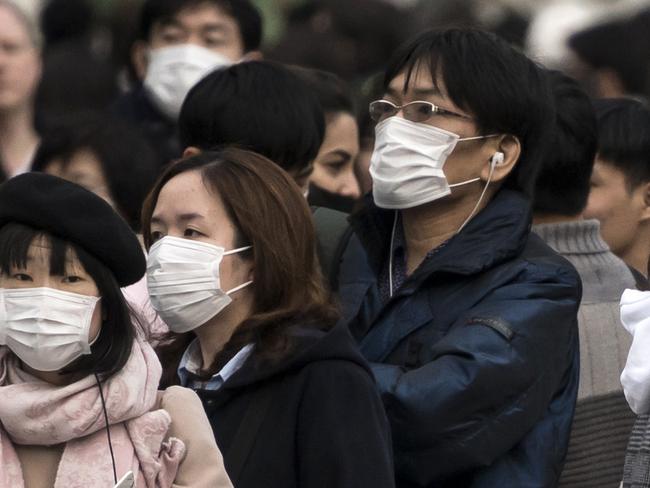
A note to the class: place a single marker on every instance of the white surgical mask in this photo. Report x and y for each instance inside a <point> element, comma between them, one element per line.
<point>46,328</point>
<point>407,163</point>
<point>184,284</point>
<point>174,70</point>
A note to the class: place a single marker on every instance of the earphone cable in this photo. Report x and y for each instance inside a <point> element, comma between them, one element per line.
<point>108,430</point>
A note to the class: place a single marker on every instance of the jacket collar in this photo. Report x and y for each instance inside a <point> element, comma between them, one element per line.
<point>310,345</point>
<point>496,234</point>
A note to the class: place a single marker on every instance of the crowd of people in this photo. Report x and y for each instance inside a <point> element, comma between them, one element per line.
<point>228,266</point>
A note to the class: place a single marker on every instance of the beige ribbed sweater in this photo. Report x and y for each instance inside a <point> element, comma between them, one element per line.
<point>603,420</point>
<point>202,466</point>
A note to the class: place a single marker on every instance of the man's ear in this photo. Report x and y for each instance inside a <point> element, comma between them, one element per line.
<point>510,148</point>
<point>139,55</point>
<point>645,189</point>
<point>609,84</point>
<point>191,151</point>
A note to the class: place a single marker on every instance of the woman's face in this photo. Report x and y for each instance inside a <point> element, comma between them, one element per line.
<point>37,274</point>
<point>84,169</point>
<point>185,208</point>
<point>334,165</point>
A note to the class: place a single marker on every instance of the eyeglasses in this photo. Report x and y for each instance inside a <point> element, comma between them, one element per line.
<point>419,111</point>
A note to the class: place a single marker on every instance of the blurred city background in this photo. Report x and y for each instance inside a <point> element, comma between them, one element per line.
<point>604,44</point>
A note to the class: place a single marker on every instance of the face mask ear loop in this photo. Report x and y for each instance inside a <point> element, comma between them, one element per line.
<point>239,249</point>
<point>108,430</point>
<point>237,288</point>
<point>480,199</point>
<point>390,259</point>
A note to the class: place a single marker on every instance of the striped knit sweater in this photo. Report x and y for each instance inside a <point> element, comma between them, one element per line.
<point>603,420</point>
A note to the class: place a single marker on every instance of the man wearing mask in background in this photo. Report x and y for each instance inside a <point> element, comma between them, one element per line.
<point>179,42</point>
<point>468,320</point>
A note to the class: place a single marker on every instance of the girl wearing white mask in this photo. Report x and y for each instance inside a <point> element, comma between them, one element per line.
<point>79,399</point>
<point>232,269</point>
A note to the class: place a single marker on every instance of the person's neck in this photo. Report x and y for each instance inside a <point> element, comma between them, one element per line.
<point>555,218</point>
<point>637,254</point>
<point>51,377</point>
<point>428,226</point>
<point>18,139</point>
<point>215,333</point>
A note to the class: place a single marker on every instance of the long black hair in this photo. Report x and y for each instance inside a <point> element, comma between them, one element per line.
<point>111,350</point>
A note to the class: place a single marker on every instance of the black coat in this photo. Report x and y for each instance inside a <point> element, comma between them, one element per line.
<point>324,427</point>
<point>476,355</point>
<point>136,108</point>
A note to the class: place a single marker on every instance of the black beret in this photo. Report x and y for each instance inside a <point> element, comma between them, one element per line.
<point>72,213</point>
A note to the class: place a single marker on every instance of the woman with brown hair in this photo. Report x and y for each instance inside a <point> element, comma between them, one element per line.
<point>232,270</point>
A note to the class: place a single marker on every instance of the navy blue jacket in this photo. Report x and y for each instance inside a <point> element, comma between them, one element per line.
<point>476,355</point>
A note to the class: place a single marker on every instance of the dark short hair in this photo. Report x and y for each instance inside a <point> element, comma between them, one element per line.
<point>111,350</point>
<point>246,16</point>
<point>624,137</point>
<point>620,45</point>
<point>563,183</point>
<point>257,105</point>
<point>507,92</point>
<point>270,214</point>
<point>332,92</point>
<point>128,162</point>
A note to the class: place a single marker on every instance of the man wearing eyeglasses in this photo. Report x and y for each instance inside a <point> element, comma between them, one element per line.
<point>468,320</point>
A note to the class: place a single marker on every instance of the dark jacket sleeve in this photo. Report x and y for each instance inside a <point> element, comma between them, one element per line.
<point>488,381</point>
<point>343,437</point>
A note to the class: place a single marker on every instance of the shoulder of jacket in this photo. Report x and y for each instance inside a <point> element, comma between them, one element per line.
<point>542,262</point>
<point>336,371</point>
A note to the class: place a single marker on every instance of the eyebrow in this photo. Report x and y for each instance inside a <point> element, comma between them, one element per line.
<point>30,259</point>
<point>392,92</point>
<point>221,28</point>
<point>346,156</point>
<point>168,22</point>
<point>425,92</point>
<point>182,217</point>
<point>212,27</point>
<point>420,92</point>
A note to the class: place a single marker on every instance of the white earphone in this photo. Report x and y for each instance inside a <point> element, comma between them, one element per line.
<point>497,159</point>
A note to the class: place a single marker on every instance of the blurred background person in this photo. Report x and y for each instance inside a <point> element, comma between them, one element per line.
<point>333,183</point>
<point>620,184</point>
<point>351,40</point>
<point>603,420</point>
<point>179,42</point>
<point>78,75</point>
<point>614,56</point>
<point>105,156</point>
<point>20,70</point>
